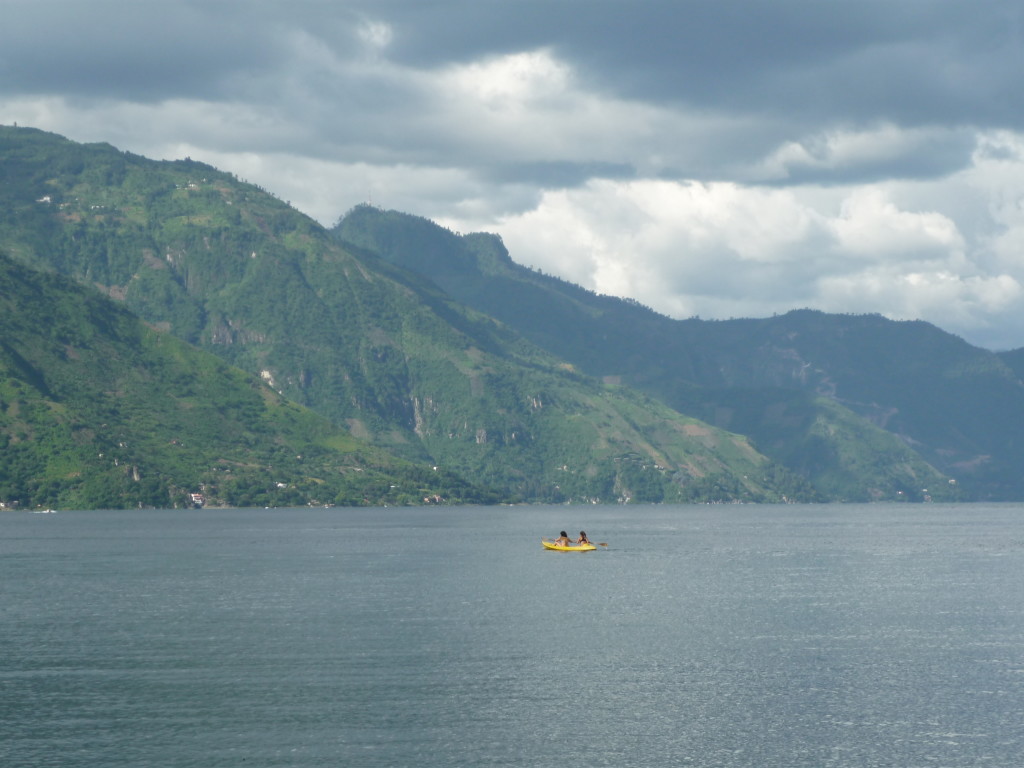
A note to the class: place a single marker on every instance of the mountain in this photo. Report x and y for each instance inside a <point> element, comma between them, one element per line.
<point>861,406</point>
<point>99,410</point>
<point>228,268</point>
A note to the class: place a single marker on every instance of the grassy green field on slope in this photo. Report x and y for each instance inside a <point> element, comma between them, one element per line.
<point>220,263</point>
<point>97,410</point>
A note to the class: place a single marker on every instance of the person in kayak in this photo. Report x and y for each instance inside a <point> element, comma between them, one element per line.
<point>563,539</point>
<point>583,538</point>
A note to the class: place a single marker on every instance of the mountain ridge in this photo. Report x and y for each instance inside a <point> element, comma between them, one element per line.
<point>224,266</point>
<point>957,406</point>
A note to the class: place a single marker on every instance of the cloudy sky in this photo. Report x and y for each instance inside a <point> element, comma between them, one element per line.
<point>718,158</point>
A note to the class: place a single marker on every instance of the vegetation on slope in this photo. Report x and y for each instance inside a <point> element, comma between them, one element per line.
<point>378,349</point>
<point>817,409</point>
<point>98,410</point>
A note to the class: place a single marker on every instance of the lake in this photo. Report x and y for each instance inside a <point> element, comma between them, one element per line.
<point>754,636</point>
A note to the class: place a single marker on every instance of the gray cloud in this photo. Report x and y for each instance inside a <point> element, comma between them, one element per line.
<point>703,157</point>
<point>912,61</point>
<point>878,153</point>
<point>138,51</point>
<point>782,68</point>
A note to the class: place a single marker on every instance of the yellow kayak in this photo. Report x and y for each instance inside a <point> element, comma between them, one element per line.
<point>569,548</point>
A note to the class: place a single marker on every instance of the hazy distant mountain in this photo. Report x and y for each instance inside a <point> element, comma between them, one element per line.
<point>850,402</point>
<point>225,266</point>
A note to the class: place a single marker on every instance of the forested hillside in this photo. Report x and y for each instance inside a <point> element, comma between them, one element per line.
<point>99,410</point>
<point>848,402</point>
<point>370,346</point>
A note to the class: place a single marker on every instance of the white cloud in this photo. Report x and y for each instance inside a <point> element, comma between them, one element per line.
<point>723,249</point>
<point>512,82</point>
<point>871,226</point>
<point>530,107</point>
<point>676,246</point>
<point>974,307</point>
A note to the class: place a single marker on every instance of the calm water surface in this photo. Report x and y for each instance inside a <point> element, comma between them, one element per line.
<point>760,636</point>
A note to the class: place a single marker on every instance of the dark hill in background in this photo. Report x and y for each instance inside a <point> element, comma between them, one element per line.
<point>379,349</point>
<point>832,397</point>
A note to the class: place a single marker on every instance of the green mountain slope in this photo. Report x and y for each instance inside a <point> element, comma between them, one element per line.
<point>98,410</point>
<point>227,267</point>
<point>862,407</point>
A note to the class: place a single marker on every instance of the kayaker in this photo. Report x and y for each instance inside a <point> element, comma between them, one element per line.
<point>583,538</point>
<point>563,539</point>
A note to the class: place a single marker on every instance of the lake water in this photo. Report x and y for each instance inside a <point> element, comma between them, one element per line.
<point>760,636</point>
